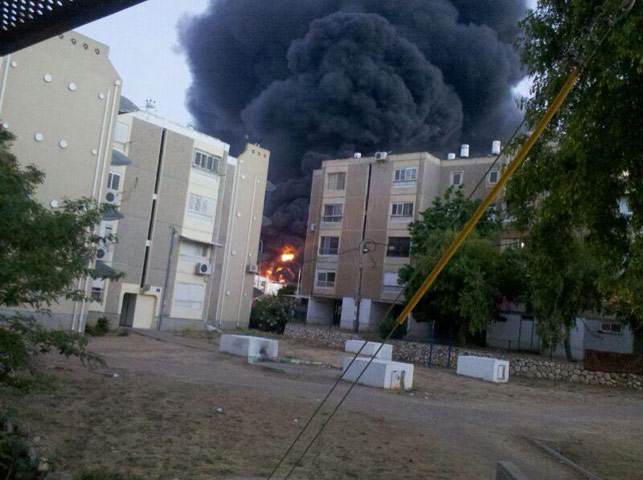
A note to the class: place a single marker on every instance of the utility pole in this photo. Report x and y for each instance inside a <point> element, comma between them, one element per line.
<point>167,276</point>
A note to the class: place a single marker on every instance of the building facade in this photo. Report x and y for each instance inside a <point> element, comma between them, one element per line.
<point>189,233</point>
<point>358,236</point>
<point>60,98</point>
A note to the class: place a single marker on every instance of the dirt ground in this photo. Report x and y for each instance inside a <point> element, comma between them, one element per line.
<point>180,410</point>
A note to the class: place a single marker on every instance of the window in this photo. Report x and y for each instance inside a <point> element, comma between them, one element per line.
<point>121,134</point>
<point>611,328</point>
<point>113,181</point>
<point>492,178</point>
<point>328,245</point>
<point>98,287</point>
<point>107,232</point>
<point>201,207</point>
<point>325,278</point>
<point>333,213</point>
<point>405,176</point>
<point>206,161</point>
<point>189,295</point>
<point>456,178</point>
<point>390,282</point>
<point>398,247</point>
<point>336,181</point>
<point>402,209</point>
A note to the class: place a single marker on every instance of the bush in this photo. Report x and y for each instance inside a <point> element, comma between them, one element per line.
<point>271,313</point>
<point>387,325</point>
<point>100,329</point>
<point>16,458</point>
<point>22,338</point>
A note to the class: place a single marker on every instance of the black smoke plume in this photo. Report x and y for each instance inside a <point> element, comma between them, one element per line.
<point>318,79</point>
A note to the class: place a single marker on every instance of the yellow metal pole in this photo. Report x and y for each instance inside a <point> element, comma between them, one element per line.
<point>520,156</point>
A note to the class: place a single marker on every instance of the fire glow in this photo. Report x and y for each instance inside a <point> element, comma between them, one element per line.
<point>287,257</point>
<point>277,270</point>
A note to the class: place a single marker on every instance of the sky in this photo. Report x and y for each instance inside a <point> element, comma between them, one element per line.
<point>144,49</point>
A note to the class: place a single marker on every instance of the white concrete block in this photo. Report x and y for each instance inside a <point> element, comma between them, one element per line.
<point>353,346</point>
<point>248,346</point>
<point>380,373</point>
<point>489,369</point>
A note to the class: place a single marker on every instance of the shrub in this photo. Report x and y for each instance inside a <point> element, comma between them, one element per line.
<point>271,313</point>
<point>387,325</point>
<point>22,338</point>
<point>99,329</point>
<point>16,458</point>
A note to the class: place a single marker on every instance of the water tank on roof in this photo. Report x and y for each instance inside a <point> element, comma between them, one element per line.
<point>495,147</point>
<point>464,150</point>
<point>450,156</point>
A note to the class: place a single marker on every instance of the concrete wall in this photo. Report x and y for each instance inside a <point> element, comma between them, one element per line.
<point>60,100</point>
<point>320,311</point>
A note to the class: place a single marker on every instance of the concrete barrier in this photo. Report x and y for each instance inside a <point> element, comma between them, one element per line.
<point>380,373</point>
<point>248,346</point>
<point>385,353</point>
<point>489,369</point>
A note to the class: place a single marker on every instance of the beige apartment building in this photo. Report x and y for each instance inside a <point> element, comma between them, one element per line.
<point>366,203</point>
<point>189,233</point>
<point>60,98</point>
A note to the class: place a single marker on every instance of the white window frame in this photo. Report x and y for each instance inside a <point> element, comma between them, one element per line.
<point>607,327</point>
<point>497,174</point>
<point>319,250</point>
<point>405,176</point>
<point>325,283</point>
<point>194,290</point>
<point>201,207</point>
<point>335,184</point>
<point>400,209</point>
<point>452,179</point>
<point>206,162</point>
<point>335,217</point>
<point>121,132</point>
<point>110,181</point>
<point>386,282</point>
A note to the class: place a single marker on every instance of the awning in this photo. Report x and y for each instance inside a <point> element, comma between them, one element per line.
<point>112,214</point>
<point>126,106</point>
<point>199,240</point>
<point>103,271</point>
<point>119,159</point>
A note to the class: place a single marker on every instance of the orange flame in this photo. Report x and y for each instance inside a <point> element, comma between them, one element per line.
<point>287,257</point>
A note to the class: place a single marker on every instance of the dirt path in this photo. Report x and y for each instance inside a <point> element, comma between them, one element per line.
<point>159,418</point>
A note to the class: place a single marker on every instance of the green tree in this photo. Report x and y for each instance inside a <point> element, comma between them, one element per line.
<point>466,296</point>
<point>42,254</point>
<point>584,251</point>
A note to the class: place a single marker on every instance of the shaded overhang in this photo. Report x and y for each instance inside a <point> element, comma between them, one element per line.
<point>102,270</point>
<point>25,23</point>
<point>125,105</point>
<point>119,159</point>
<point>112,214</point>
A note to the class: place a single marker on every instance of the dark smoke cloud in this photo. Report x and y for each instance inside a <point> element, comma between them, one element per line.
<point>317,79</point>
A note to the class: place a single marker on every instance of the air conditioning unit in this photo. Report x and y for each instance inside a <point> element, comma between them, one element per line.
<point>101,253</point>
<point>111,197</point>
<point>203,269</point>
<point>253,268</point>
<point>380,156</point>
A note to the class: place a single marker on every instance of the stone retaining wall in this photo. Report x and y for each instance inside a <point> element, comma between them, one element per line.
<point>531,366</point>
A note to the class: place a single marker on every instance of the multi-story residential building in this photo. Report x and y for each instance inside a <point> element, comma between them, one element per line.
<point>60,98</point>
<point>366,204</point>
<point>189,236</point>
